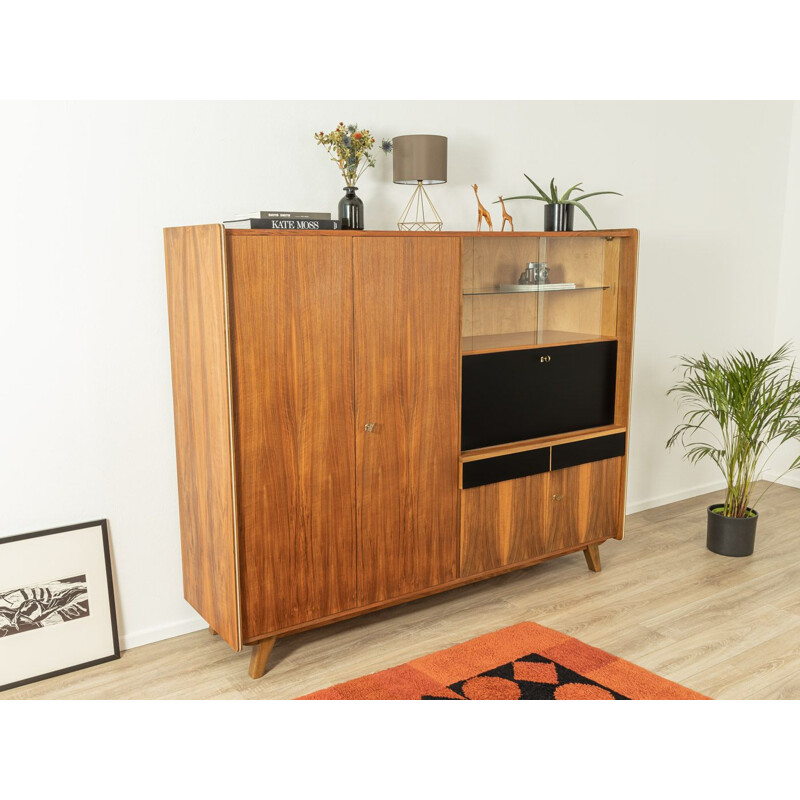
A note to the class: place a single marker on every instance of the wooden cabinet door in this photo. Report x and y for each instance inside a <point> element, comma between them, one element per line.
<point>407,306</point>
<point>503,523</point>
<point>585,503</point>
<point>291,301</point>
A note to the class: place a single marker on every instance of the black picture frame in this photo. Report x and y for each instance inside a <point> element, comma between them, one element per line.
<point>98,593</point>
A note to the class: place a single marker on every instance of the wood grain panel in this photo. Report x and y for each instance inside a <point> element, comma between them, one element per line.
<point>619,533</point>
<point>503,523</point>
<point>407,301</point>
<point>196,296</point>
<point>490,314</point>
<point>293,370</point>
<point>611,279</point>
<point>626,318</point>
<point>585,503</point>
<point>626,313</point>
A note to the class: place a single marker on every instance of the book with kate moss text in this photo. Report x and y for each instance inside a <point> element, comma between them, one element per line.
<point>279,215</point>
<point>297,224</point>
<point>293,215</point>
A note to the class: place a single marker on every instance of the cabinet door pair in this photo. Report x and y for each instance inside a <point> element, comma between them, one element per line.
<point>346,409</point>
<point>519,520</point>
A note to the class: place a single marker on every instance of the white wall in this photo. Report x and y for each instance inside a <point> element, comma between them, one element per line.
<point>787,317</point>
<point>86,425</point>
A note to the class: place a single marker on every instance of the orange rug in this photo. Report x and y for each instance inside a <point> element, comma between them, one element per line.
<point>523,662</point>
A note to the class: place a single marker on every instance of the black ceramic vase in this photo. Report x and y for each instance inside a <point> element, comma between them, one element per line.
<point>559,216</point>
<point>351,210</point>
<point>731,536</point>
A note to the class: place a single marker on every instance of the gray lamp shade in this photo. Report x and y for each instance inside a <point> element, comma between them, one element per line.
<point>419,158</point>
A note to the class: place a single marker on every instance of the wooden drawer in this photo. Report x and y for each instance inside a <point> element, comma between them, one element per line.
<point>505,468</point>
<point>587,450</point>
<point>533,462</point>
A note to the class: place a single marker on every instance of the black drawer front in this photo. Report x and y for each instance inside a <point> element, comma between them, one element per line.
<point>602,447</point>
<point>524,394</point>
<point>505,468</point>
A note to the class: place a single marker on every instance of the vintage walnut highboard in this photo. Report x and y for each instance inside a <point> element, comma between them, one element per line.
<point>364,418</point>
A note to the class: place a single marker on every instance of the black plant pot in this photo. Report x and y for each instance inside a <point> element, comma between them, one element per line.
<point>559,216</point>
<point>351,210</point>
<point>731,536</point>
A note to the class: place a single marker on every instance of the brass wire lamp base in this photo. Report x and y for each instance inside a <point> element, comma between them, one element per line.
<point>420,214</point>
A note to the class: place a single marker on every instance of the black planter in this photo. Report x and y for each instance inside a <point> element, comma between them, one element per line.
<point>559,217</point>
<point>731,536</point>
<point>351,210</point>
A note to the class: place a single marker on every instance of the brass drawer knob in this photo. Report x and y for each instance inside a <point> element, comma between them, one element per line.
<point>369,427</point>
<point>544,359</point>
<point>557,496</point>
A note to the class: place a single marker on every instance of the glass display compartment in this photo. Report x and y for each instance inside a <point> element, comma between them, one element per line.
<point>523,291</point>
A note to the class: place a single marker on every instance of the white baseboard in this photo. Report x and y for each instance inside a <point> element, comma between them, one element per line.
<point>138,638</point>
<point>786,480</point>
<point>664,499</point>
<point>653,502</point>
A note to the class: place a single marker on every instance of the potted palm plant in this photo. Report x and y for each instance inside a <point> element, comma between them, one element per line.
<point>738,410</point>
<point>559,209</point>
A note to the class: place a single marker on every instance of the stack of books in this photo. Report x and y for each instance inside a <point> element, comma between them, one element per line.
<point>286,220</point>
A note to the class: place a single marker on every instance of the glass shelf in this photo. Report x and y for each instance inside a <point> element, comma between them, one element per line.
<point>531,290</point>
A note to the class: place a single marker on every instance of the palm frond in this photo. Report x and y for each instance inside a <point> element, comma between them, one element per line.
<point>750,405</point>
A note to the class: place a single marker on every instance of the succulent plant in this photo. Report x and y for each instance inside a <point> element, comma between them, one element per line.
<point>554,199</point>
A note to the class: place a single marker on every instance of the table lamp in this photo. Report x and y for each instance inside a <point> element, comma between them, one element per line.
<point>419,159</point>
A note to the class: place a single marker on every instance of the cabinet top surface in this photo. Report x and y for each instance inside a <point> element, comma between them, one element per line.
<point>621,232</point>
<point>601,234</point>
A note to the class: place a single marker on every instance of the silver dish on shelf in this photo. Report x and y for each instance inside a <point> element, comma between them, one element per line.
<point>540,287</point>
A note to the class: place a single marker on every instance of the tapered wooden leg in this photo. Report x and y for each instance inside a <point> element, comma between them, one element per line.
<point>260,656</point>
<point>592,553</point>
<point>212,631</point>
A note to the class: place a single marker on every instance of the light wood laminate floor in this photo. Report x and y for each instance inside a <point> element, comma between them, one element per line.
<point>726,627</point>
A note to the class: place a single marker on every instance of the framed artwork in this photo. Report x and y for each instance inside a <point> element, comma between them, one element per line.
<point>57,609</point>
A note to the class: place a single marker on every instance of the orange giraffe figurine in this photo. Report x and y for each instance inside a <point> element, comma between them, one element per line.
<point>482,212</point>
<point>506,216</point>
